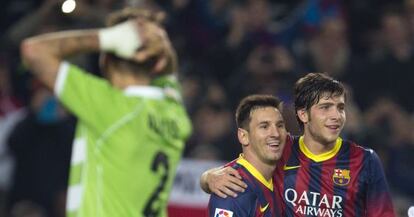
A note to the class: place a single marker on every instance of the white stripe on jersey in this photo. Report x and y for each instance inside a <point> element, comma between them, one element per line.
<point>74,197</point>
<point>79,151</point>
<point>61,78</point>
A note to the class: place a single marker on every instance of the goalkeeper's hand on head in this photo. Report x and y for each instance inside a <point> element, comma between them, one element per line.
<point>140,40</point>
<point>156,44</point>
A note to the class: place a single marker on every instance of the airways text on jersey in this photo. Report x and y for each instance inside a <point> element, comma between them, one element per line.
<point>308,203</point>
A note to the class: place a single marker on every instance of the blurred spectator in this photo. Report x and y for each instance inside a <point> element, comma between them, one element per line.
<point>49,16</point>
<point>11,112</point>
<point>390,130</point>
<point>213,123</point>
<point>27,209</point>
<point>206,152</point>
<point>192,93</point>
<point>317,11</point>
<point>329,50</point>
<point>355,126</point>
<point>393,64</point>
<point>41,146</point>
<point>387,106</point>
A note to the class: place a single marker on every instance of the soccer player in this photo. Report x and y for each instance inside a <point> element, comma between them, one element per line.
<point>262,134</point>
<point>130,135</point>
<point>319,173</point>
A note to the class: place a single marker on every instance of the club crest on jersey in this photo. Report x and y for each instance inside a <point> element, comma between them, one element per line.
<point>223,213</point>
<point>341,177</point>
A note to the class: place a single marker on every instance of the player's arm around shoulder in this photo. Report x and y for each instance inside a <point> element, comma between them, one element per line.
<point>223,181</point>
<point>241,206</point>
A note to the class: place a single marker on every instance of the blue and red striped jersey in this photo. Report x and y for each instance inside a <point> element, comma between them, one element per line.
<point>348,181</point>
<point>258,200</point>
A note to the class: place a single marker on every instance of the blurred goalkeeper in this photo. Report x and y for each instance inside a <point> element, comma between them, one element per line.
<point>130,133</point>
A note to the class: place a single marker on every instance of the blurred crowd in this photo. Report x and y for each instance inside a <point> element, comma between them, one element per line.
<point>227,49</point>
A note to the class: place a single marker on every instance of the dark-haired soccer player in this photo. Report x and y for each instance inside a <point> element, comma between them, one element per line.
<point>262,133</point>
<point>320,174</point>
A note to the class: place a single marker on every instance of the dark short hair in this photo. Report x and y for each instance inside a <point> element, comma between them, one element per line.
<point>310,88</point>
<point>251,103</point>
<point>131,13</point>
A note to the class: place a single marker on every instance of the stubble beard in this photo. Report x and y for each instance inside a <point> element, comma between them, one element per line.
<point>317,135</point>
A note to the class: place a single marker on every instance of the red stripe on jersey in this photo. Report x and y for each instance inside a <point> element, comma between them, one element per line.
<point>327,184</point>
<point>287,150</point>
<point>245,175</point>
<point>386,208</point>
<point>278,187</point>
<point>231,163</point>
<point>356,159</point>
<point>279,175</point>
<point>263,193</point>
<point>269,196</point>
<point>303,174</point>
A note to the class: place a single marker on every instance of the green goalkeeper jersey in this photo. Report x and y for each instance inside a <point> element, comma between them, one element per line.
<point>126,148</point>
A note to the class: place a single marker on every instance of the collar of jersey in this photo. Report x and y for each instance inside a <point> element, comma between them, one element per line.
<point>145,91</point>
<point>320,157</point>
<point>242,161</point>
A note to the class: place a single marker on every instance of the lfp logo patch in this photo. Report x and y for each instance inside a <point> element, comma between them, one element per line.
<point>223,213</point>
<point>341,177</point>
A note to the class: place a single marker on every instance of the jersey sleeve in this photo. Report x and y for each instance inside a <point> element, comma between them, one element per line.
<point>91,99</point>
<point>379,201</point>
<point>229,207</point>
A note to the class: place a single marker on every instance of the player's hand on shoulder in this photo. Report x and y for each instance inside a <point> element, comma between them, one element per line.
<point>225,181</point>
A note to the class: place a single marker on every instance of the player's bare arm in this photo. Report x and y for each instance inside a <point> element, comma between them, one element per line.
<point>44,53</point>
<point>222,181</point>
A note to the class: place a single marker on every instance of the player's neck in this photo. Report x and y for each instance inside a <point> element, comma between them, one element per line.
<point>122,81</point>
<point>316,147</point>
<point>264,168</point>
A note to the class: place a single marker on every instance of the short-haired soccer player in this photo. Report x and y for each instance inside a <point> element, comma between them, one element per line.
<point>262,134</point>
<point>320,174</point>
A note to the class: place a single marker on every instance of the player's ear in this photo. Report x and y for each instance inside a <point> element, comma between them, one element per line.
<point>243,137</point>
<point>303,115</point>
